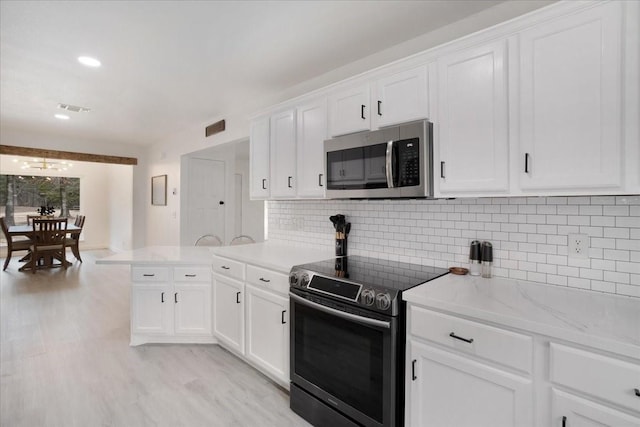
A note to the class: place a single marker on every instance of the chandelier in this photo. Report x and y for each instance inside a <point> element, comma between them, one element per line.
<point>44,165</point>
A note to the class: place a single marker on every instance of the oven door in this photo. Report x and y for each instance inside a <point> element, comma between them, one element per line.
<point>344,359</point>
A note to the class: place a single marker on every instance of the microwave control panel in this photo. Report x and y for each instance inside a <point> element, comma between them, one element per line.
<point>408,162</point>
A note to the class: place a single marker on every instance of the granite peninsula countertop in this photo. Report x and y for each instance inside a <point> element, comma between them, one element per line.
<point>604,321</point>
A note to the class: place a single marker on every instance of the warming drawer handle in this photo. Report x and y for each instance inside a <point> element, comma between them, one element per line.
<point>262,279</point>
<point>453,335</point>
<point>341,314</point>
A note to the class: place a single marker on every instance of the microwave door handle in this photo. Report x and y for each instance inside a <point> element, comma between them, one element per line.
<point>389,164</point>
<point>344,315</point>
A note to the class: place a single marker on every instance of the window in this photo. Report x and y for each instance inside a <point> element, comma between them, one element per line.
<point>22,195</point>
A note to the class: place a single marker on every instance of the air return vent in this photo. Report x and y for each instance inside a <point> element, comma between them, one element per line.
<point>74,108</point>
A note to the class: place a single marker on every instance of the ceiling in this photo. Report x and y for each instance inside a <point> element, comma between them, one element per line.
<point>171,65</point>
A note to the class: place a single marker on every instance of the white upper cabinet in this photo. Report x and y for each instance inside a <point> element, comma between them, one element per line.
<point>401,97</point>
<point>311,133</point>
<point>259,158</point>
<point>283,154</point>
<point>472,121</point>
<point>349,110</point>
<point>570,102</point>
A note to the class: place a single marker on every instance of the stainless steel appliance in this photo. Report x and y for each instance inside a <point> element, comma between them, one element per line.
<point>348,327</point>
<point>395,162</point>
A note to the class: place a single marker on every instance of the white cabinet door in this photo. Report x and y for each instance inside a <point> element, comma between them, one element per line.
<point>402,97</point>
<point>228,312</point>
<point>472,128</point>
<point>445,389</point>
<point>151,309</point>
<point>267,320</point>
<point>311,133</point>
<point>192,308</point>
<point>259,158</point>
<point>349,111</point>
<point>570,102</point>
<point>283,154</point>
<point>572,411</point>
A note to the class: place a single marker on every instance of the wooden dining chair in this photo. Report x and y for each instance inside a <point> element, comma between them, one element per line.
<point>13,245</point>
<point>49,242</point>
<point>73,241</point>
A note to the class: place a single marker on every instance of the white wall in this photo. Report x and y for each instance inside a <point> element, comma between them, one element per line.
<point>120,207</point>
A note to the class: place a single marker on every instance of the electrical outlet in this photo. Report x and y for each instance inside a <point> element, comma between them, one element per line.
<point>578,246</point>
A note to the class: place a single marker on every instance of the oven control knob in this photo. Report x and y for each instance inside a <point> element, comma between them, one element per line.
<point>304,280</point>
<point>368,297</point>
<point>293,279</point>
<point>383,301</point>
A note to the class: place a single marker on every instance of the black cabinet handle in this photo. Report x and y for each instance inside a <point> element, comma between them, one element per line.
<point>413,370</point>
<point>264,184</point>
<point>224,267</point>
<point>189,275</point>
<point>320,180</point>
<point>526,162</point>
<point>362,111</point>
<point>262,279</point>
<point>441,169</point>
<point>148,275</point>
<point>637,392</point>
<point>237,297</point>
<point>453,335</point>
<point>162,297</point>
<point>289,181</point>
<point>564,421</point>
<point>282,317</point>
<point>175,298</point>
<point>379,111</point>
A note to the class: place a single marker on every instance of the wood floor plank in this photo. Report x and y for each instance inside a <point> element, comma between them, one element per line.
<point>65,360</point>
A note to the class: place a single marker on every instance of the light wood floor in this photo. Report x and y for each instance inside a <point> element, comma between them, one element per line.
<point>65,360</point>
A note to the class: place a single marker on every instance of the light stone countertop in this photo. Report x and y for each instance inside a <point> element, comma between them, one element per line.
<point>156,255</point>
<point>604,321</point>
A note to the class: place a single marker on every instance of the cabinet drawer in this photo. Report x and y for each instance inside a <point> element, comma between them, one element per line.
<point>599,376</point>
<point>192,274</point>
<point>263,278</point>
<point>228,267</point>
<point>150,274</point>
<point>497,345</point>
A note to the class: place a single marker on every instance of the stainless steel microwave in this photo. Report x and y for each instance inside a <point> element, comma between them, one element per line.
<point>394,162</point>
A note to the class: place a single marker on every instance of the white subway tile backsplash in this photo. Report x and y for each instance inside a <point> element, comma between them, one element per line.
<point>529,234</point>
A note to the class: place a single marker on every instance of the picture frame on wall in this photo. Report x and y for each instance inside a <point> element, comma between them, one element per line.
<point>159,190</point>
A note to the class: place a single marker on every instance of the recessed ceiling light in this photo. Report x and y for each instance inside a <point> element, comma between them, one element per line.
<point>89,61</point>
<point>61,116</point>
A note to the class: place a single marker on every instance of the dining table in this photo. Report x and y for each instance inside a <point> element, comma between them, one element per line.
<point>27,230</point>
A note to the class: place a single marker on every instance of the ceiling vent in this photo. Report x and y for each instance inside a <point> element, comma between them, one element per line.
<point>74,108</point>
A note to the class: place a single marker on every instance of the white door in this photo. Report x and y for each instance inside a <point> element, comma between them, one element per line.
<point>472,121</point>
<point>151,309</point>
<point>402,97</point>
<point>349,111</point>
<point>259,159</point>
<point>205,191</point>
<point>228,312</point>
<point>192,303</point>
<point>570,101</point>
<point>267,321</point>
<point>446,389</point>
<point>572,411</point>
<point>311,133</point>
<point>283,154</point>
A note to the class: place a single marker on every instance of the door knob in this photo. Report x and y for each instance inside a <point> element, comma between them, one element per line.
<point>221,202</point>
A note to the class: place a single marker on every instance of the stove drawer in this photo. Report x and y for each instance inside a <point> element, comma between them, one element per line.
<point>229,268</point>
<point>497,345</point>
<point>264,278</point>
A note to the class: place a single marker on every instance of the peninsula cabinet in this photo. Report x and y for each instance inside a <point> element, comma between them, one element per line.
<point>570,102</point>
<point>259,158</point>
<point>472,153</point>
<point>311,132</point>
<point>228,312</point>
<point>283,154</point>
<point>170,304</point>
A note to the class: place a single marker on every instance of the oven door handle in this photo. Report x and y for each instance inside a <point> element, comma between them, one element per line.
<point>341,314</point>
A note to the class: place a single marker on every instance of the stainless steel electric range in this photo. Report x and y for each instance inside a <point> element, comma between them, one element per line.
<point>348,327</point>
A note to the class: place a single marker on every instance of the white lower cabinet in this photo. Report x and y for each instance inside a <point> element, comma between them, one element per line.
<point>572,411</point>
<point>267,329</point>
<point>170,304</point>
<point>228,312</point>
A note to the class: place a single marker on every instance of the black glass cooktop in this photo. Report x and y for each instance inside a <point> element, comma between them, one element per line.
<point>376,272</point>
